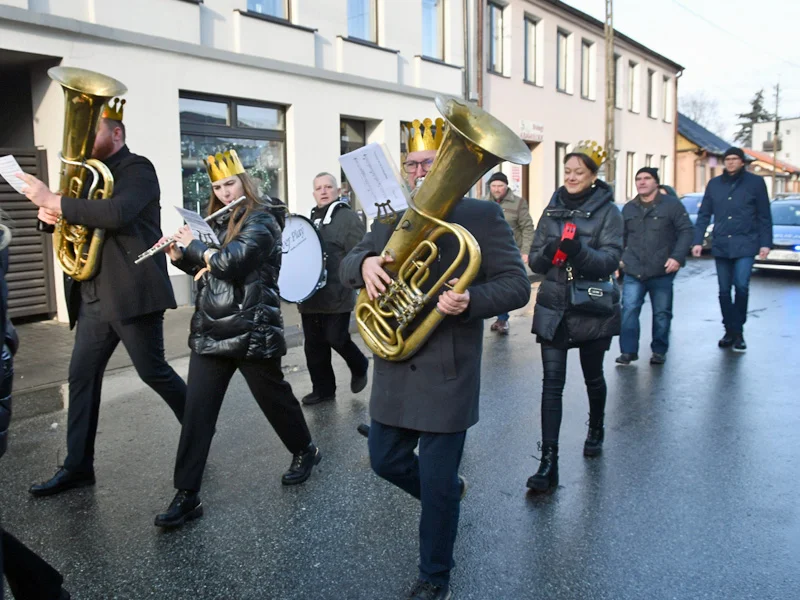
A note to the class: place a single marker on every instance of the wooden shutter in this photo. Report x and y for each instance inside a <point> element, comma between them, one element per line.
<point>30,272</point>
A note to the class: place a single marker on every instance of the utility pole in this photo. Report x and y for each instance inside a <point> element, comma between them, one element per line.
<point>611,86</point>
<point>775,142</point>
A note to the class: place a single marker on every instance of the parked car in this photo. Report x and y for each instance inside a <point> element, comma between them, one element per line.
<point>692,204</point>
<point>785,253</point>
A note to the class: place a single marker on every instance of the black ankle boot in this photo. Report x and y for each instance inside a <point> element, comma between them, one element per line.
<point>184,507</point>
<point>547,475</point>
<point>593,445</point>
<point>301,466</point>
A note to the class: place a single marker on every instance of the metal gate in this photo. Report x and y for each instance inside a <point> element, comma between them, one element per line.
<point>30,273</point>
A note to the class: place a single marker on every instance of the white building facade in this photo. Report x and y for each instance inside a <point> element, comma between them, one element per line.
<point>292,84</point>
<point>788,139</point>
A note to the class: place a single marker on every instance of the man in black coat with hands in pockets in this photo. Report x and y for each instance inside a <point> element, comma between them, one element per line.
<point>123,302</point>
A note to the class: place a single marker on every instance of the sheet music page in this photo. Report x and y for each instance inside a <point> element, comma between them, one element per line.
<point>200,229</point>
<point>375,179</point>
<point>8,168</point>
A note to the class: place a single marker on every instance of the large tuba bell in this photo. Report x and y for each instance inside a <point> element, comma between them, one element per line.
<point>473,143</point>
<point>78,247</point>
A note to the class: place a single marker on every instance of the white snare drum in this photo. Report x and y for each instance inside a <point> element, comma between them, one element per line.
<point>303,263</point>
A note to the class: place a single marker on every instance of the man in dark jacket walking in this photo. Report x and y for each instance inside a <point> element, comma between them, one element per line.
<point>658,235</point>
<point>326,314</point>
<point>430,400</point>
<point>123,302</point>
<point>739,203</point>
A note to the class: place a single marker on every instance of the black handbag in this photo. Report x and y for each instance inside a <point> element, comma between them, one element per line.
<point>593,297</point>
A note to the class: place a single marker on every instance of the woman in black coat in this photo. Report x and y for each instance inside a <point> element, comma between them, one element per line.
<point>237,324</point>
<point>593,254</point>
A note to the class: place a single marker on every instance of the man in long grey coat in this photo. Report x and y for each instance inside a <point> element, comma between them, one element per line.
<point>431,399</point>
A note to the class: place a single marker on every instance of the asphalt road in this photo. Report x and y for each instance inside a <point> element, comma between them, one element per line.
<point>695,496</point>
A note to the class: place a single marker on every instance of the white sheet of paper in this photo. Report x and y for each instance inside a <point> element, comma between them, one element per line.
<point>8,168</point>
<point>372,174</point>
<point>200,229</point>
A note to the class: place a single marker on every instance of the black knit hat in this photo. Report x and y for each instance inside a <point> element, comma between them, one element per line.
<point>498,177</point>
<point>652,171</point>
<point>733,151</point>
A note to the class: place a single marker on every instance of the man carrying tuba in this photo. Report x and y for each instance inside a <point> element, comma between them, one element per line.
<point>123,302</point>
<point>430,400</point>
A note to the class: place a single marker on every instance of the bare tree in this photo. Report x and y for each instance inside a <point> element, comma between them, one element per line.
<point>703,110</point>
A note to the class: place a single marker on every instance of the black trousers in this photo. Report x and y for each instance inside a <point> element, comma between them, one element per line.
<point>323,333</point>
<point>209,377</point>
<point>95,342</point>
<point>29,576</point>
<point>554,364</point>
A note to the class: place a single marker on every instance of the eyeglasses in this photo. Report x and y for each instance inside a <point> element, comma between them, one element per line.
<point>412,165</point>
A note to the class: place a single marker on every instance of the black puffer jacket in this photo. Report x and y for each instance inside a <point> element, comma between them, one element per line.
<point>600,229</point>
<point>237,308</point>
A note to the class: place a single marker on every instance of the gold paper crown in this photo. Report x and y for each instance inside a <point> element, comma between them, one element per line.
<point>223,165</point>
<point>419,139</point>
<point>114,109</point>
<point>591,149</point>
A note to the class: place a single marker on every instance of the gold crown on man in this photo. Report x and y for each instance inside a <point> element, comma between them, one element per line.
<point>591,149</point>
<point>421,135</point>
<point>114,109</point>
<point>223,165</point>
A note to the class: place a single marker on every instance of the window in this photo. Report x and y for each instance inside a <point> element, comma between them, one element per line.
<point>648,160</point>
<point>433,28</point>
<point>531,50</point>
<point>362,22</point>
<point>666,101</point>
<point>651,94</point>
<point>587,70</point>
<point>633,87</point>
<point>254,129</point>
<point>618,93</point>
<point>272,8</point>
<point>769,136</point>
<point>630,179</point>
<point>662,171</point>
<point>495,38</point>
<point>700,177</point>
<point>352,136</point>
<point>563,62</point>
<point>561,153</point>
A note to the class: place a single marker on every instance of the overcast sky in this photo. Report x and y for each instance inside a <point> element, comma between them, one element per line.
<point>729,48</point>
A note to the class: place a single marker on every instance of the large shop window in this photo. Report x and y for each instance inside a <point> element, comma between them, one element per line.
<point>254,129</point>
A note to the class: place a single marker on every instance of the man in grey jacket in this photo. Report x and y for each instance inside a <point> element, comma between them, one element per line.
<point>326,314</point>
<point>658,234</point>
<point>430,400</point>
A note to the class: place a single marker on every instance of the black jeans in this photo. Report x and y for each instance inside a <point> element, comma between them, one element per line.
<point>29,576</point>
<point>95,342</point>
<point>209,377</point>
<point>554,363</point>
<point>432,478</point>
<point>324,332</point>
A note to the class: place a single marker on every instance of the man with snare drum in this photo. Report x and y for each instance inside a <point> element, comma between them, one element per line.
<point>326,314</point>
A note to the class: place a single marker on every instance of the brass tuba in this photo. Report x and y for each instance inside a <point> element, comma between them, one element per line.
<point>78,247</point>
<point>473,143</point>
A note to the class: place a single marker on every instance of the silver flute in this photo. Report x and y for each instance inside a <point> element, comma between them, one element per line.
<point>160,246</point>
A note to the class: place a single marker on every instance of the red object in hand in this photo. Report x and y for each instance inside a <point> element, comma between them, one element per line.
<point>568,234</point>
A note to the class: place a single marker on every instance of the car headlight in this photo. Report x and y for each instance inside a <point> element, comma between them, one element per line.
<point>710,228</point>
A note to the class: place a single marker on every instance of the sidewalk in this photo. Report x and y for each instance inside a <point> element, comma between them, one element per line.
<point>42,362</point>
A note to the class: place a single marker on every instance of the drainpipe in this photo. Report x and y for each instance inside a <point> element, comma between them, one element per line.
<point>675,134</point>
<point>479,50</point>
<point>465,8</point>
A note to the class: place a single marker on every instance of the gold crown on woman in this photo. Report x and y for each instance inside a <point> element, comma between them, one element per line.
<point>591,149</point>
<point>223,165</point>
<point>113,109</point>
<point>421,135</point>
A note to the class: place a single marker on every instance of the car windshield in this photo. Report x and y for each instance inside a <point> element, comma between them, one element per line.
<point>692,203</point>
<point>786,213</point>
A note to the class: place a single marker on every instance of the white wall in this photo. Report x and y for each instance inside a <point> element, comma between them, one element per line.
<point>790,139</point>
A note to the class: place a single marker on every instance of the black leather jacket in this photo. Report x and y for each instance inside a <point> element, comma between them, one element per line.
<point>600,229</point>
<point>237,307</point>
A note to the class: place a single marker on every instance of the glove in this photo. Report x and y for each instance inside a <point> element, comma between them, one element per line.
<point>550,250</point>
<point>570,247</point>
